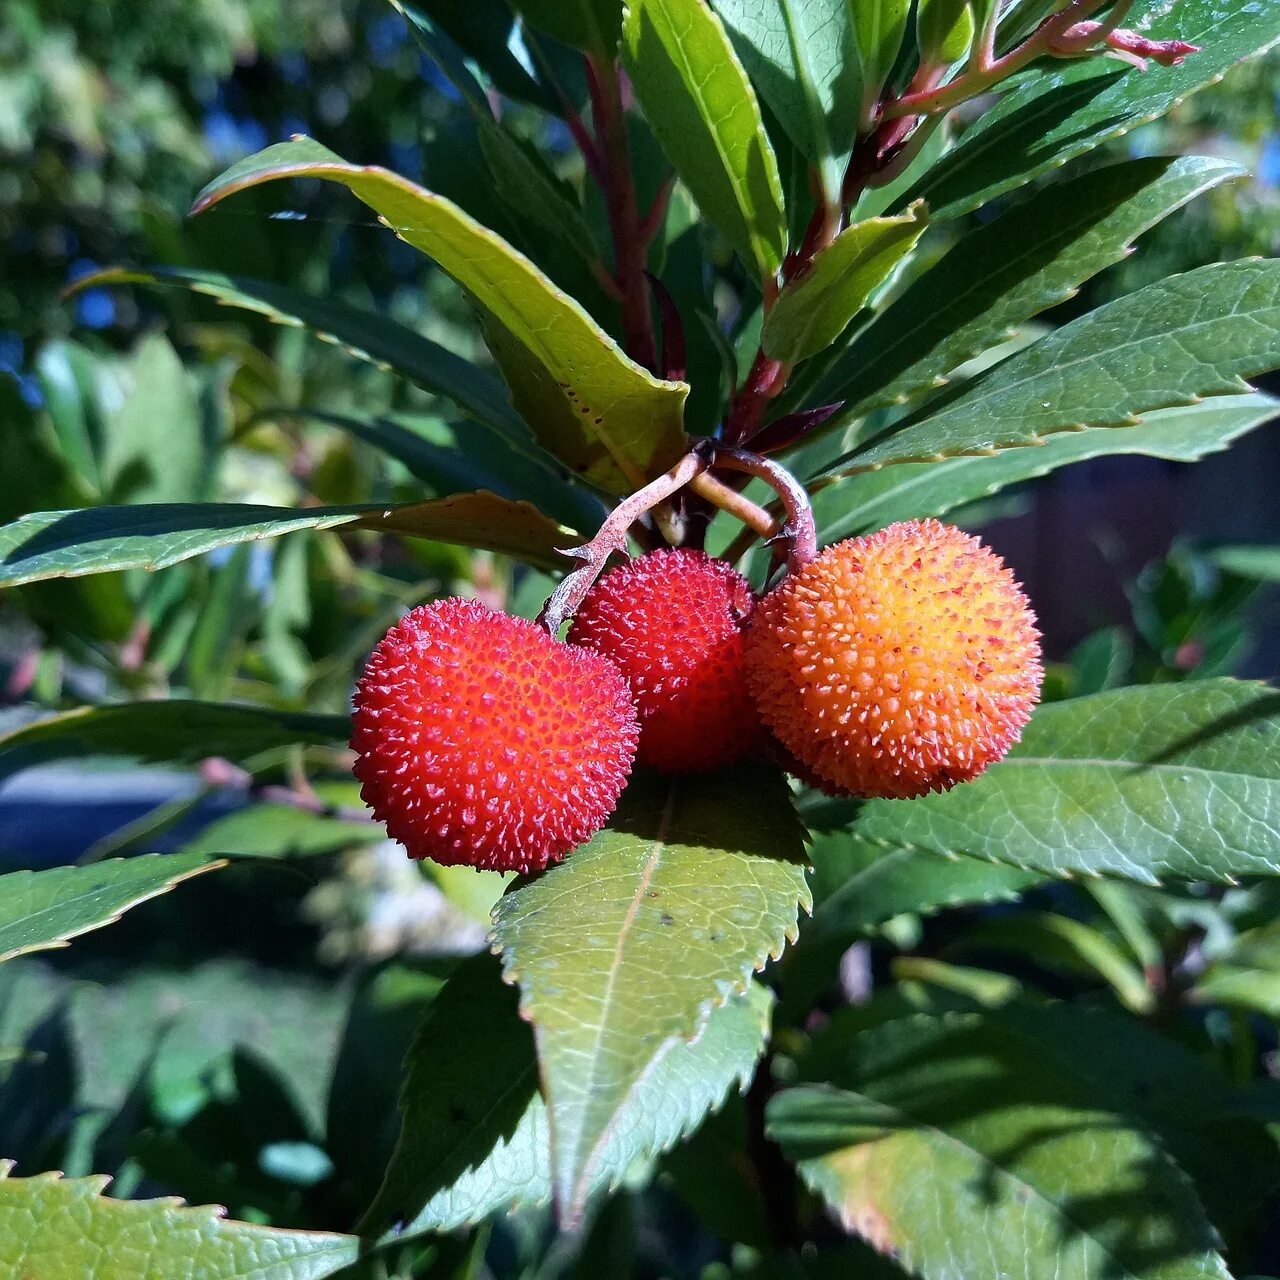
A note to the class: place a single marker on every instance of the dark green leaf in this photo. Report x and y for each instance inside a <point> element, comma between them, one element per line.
<point>801,58</point>
<point>611,420</point>
<point>178,731</point>
<point>1186,337</point>
<point>40,910</point>
<point>879,27</point>
<point>813,310</point>
<point>963,1151</point>
<point>622,949</point>
<point>64,1227</point>
<point>698,100</point>
<point>280,831</point>
<point>872,499</point>
<point>589,25</point>
<point>68,544</point>
<point>363,334</point>
<point>1032,257</point>
<point>1163,780</point>
<point>1067,109</point>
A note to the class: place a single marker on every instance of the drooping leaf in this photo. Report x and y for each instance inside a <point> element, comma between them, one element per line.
<point>962,1149</point>
<point>68,544</point>
<point>475,1139</point>
<point>801,58</point>
<point>1064,110</point>
<point>364,334</point>
<point>813,310</point>
<point>1142,783</point>
<point>40,910</point>
<point>613,422</point>
<point>177,731</point>
<point>55,1227</point>
<point>1184,338</point>
<point>1030,258</point>
<point>622,949</point>
<point>589,25</point>
<point>872,499</point>
<point>697,98</point>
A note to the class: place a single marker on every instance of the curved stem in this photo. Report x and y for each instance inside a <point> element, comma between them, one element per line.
<point>612,536</point>
<point>800,531</point>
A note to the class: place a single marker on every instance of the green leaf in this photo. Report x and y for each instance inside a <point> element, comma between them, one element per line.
<point>613,422</point>
<point>366,335</point>
<point>872,499</point>
<point>1032,257</point>
<point>800,56</point>
<point>1163,780</point>
<point>153,449</point>
<point>963,1151</point>
<point>471,456</point>
<point>813,310</point>
<point>280,831</point>
<point>589,25</point>
<point>1186,337</point>
<point>475,1137</point>
<point>1063,110</point>
<point>944,30</point>
<point>40,910</point>
<point>859,883</point>
<point>69,544</point>
<point>1261,563</point>
<point>622,949</point>
<point>879,27</point>
<point>56,1227</point>
<point>697,98</point>
<point>178,731</point>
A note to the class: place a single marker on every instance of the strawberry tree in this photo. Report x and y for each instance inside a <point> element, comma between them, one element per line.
<point>747,347</point>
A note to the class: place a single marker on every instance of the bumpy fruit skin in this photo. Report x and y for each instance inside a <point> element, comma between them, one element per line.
<point>672,622</point>
<point>482,741</point>
<point>896,664</point>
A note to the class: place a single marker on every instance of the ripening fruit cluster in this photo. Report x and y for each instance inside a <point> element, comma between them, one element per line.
<point>891,665</point>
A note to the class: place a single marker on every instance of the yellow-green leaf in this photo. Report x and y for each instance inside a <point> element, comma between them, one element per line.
<point>612,421</point>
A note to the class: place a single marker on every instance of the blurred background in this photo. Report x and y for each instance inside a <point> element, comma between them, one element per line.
<point>112,116</point>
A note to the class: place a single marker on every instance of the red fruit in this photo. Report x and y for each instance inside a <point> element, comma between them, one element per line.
<point>484,742</point>
<point>672,622</point>
<point>896,664</point>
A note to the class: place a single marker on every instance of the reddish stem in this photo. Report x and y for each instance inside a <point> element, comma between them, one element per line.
<point>624,217</point>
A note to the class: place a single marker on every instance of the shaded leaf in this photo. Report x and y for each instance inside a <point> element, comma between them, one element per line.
<point>1186,337</point>
<point>1162,780</point>
<point>68,544</point>
<point>367,335</point>
<point>622,949</point>
<point>281,831</point>
<point>962,1151</point>
<point>1261,563</point>
<point>697,98</point>
<point>475,1138</point>
<point>177,730</point>
<point>1032,257</point>
<point>40,910</point>
<point>63,1227</point>
<point>610,420</point>
<point>801,58</point>
<point>879,27</point>
<point>590,25</point>
<point>1063,110</point>
<point>813,310</point>
<point>872,499</point>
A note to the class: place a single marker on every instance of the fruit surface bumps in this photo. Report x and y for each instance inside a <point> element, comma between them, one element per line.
<point>898,663</point>
<point>673,622</point>
<point>482,741</point>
